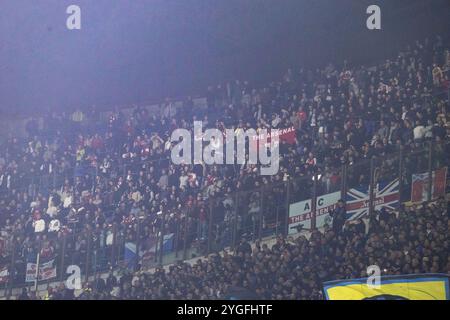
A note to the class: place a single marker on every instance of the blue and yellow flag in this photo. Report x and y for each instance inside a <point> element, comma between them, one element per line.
<point>405,287</point>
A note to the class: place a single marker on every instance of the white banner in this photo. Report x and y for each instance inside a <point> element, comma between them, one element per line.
<point>300,212</point>
<point>47,270</point>
<point>4,274</point>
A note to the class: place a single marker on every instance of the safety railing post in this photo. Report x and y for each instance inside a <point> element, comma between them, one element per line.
<point>210,224</point>
<point>138,240</point>
<point>430,171</point>
<point>261,215</point>
<point>38,262</point>
<point>161,239</point>
<point>235,220</point>
<point>11,270</point>
<point>185,234</point>
<point>177,239</point>
<point>314,202</point>
<point>94,254</point>
<point>88,253</point>
<point>62,258</point>
<point>343,180</point>
<point>286,218</point>
<point>371,186</point>
<point>400,176</point>
<point>113,245</point>
<point>277,218</point>
<point>53,180</point>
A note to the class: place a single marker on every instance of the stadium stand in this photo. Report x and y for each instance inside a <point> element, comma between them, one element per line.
<point>104,195</point>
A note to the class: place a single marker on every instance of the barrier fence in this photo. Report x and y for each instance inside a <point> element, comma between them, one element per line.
<point>207,225</point>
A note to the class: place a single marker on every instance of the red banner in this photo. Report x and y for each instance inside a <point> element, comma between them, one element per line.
<point>287,135</point>
<point>421,181</point>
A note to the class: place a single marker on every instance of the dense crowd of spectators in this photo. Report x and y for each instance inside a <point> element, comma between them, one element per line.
<point>76,174</point>
<point>412,240</point>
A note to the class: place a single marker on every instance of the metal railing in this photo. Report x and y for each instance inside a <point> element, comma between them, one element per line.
<point>213,224</point>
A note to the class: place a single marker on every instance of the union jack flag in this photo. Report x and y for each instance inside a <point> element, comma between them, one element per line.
<point>385,196</point>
